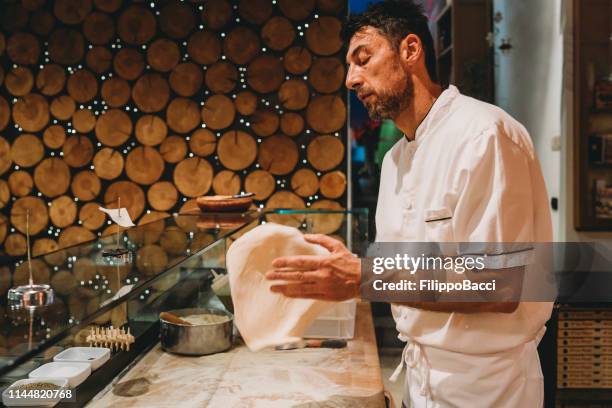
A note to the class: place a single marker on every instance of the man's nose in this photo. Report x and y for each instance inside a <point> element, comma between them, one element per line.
<point>353,79</point>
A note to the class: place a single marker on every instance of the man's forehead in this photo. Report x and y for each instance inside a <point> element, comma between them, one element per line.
<point>365,36</point>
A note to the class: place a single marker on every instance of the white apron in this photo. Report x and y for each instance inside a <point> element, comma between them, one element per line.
<point>470,175</point>
<point>504,379</point>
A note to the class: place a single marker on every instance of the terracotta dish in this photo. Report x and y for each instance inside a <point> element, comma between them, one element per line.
<point>221,203</point>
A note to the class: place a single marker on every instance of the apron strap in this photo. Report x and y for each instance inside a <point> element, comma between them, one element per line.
<point>539,335</point>
<point>414,358</point>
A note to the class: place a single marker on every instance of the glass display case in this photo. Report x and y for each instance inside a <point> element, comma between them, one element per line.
<point>170,263</point>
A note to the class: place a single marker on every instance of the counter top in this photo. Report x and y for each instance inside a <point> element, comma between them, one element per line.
<point>348,377</point>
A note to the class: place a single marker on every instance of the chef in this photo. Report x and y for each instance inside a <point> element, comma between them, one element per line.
<point>464,172</point>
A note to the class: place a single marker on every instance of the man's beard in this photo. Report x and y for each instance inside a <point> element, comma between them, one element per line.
<point>389,104</point>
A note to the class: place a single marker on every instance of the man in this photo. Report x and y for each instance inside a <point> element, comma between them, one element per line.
<point>465,172</point>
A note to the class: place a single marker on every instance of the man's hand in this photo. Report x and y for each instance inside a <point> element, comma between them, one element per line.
<point>333,277</point>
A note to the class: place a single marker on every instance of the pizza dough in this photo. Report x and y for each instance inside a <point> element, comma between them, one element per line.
<point>264,318</point>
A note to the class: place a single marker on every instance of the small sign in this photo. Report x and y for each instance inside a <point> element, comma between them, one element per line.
<point>119,216</point>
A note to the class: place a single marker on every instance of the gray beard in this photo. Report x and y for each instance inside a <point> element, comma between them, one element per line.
<point>389,105</point>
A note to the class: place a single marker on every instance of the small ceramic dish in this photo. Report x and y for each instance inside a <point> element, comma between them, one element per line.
<point>94,356</point>
<point>222,203</point>
<point>74,372</point>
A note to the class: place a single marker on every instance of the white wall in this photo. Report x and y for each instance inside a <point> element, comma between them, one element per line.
<point>528,81</point>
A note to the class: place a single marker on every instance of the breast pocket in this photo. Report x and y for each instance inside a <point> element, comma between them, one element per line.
<point>439,224</point>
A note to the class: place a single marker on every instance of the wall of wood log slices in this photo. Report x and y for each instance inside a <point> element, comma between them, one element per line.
<point>161,102</point>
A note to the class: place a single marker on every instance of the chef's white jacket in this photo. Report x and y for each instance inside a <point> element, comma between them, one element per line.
<point>470,175</point>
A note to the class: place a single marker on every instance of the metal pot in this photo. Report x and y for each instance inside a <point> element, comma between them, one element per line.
<point>196,340</point>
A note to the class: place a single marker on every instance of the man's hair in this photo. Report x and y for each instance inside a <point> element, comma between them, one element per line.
<point>395,19</point>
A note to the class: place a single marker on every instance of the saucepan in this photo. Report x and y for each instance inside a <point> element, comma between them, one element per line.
<point>196,332</point>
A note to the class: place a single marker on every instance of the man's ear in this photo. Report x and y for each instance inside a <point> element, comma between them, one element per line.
<point>410,50</point>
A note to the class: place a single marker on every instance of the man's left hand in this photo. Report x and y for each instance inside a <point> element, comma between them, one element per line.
<point>333,277</point>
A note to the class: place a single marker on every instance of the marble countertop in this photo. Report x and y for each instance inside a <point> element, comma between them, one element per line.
<point>306,378</point>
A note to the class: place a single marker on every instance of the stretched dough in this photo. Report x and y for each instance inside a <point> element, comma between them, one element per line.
<point>264,318</point>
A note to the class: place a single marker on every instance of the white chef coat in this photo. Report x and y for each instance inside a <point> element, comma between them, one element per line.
<point>473,168</point>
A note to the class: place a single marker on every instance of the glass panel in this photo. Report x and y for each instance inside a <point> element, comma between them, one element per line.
<point>173,265</point>
<point>349,226</point>
<point>91,287</point>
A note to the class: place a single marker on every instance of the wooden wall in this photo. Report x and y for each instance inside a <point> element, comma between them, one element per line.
<point>159,102</point>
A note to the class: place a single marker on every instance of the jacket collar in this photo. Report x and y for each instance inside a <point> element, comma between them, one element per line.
<point>437,111</point>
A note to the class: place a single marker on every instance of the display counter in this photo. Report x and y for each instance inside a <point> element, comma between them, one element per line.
<point>347,377</point>
<point>170,263</point>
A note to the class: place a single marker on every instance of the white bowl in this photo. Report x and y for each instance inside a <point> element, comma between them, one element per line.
<point>94,356</point>
<point>23,402</point>
<point>74,372</point>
